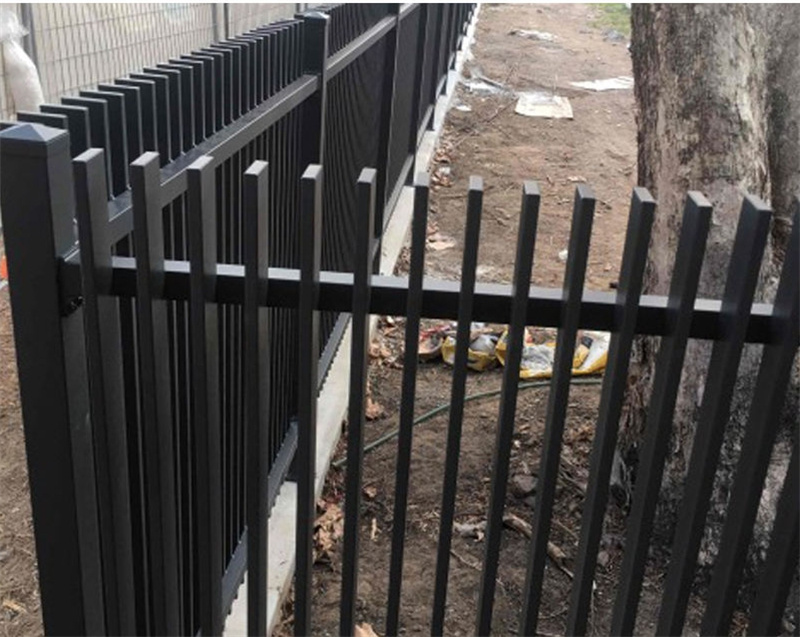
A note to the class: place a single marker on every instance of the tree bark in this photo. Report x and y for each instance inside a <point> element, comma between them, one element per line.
<point>718,99</point>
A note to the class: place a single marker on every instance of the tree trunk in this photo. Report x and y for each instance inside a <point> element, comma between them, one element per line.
<point>718,96</point>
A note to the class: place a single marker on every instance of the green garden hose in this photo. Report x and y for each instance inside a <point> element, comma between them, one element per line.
<point>428,415</point>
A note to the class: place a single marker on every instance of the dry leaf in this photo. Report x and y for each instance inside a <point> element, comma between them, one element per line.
<point>328,528</point>
<point>516,523</point>
<point>13,606</point>
<point>439,241</point>
<point>365,630</point>
<point>576,179</point>
<point>370,491</point>
<point>374,410</point>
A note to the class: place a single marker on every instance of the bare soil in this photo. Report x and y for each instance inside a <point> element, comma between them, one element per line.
<point>19,587</point>
<point>490,140</point>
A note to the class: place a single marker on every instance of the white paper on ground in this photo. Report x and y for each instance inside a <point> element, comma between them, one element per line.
<point>538,104</point>
<point>611,84</point>
<point>531,34</point>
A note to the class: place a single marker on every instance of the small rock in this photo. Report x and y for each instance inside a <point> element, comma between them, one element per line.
<point>562,256</point>
<point>522,485</point>
<point>612,35</point>
<point>602,559</point>
<point>530,501</point>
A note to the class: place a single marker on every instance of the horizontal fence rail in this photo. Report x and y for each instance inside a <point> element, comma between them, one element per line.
<point>200,435</point>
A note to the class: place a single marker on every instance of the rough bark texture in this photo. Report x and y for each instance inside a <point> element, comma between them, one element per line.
<point>718,98</point>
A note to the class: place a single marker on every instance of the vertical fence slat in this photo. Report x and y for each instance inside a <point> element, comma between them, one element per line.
<point>763,425</point>
<point>781,563</point>
<point>107,409</point>
<point>155,397</point>
<point>256,361</point>
<point>202,234</point>
<point>419,73</point>
<point>221,85</point>
<point>78,125</point>
<point>175,107</point>
<point>232,77</point>
<point>163,121</point>
<point>669,363</point>
<point>465,301</point>
<point>615,381</point>
<point>737,299</point>
<point>53,120</point>
<point>98,128</point>
<point>410,360</point>
<point>385,129</point>
<point>580,236</point>
<point>204,63</point>
<point>359,366</point>
<point>194,84</point>
<point>133,118</point>
<point>147,103</point>
<point>117,149</point>
<point>307,364</point>
<point>315,56</point>
<point>431,94</point>
<point>526,240</point>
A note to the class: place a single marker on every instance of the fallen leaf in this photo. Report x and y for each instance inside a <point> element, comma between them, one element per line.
<point>374,410</point>
<point>370,491</point>
<point>13,606</point>
<point>439,241</point>
<point>364,630</point>
<point>328,529</point>
<point>576,179</point>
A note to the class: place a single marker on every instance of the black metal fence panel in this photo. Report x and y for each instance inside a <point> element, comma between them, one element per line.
<point>168,483</point>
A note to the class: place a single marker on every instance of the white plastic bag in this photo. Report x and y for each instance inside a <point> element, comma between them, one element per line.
<point>20,72</point>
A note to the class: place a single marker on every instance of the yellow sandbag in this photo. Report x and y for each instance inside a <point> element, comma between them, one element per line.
<point>597,356</point>
<point>591,354</point>
<point>480,355</point>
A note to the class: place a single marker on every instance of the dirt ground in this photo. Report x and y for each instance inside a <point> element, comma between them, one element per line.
<point>484,136</point>
<point>19,588</point>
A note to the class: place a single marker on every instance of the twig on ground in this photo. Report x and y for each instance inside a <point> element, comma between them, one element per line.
<point>477,127</point>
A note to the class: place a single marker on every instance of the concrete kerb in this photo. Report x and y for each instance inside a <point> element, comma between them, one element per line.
<point>332,405</point>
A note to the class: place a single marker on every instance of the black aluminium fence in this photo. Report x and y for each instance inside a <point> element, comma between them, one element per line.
<point>142,523</point>
<point>79,313</point>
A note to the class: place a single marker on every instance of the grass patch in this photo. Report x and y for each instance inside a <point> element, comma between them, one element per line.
<point>613,16</point>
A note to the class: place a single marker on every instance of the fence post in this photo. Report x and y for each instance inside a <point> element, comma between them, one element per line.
<point>37,207</point>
